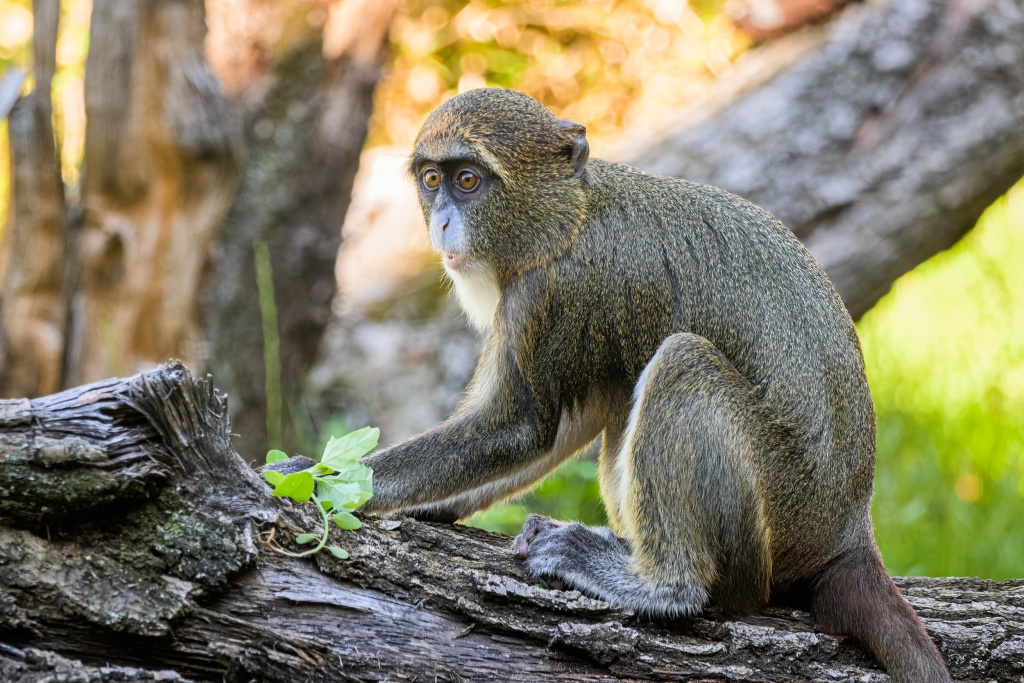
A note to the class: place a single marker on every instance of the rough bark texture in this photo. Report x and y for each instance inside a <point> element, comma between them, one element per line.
<point>33,312</point>
<point>305,135</point>
<point>878,139</point>
<point>130,550</point>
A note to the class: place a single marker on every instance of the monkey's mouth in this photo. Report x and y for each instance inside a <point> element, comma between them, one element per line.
<point>453,261</point>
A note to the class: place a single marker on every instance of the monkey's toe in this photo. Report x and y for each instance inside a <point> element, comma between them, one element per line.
<point>553,583</point>
<point>535,525</point>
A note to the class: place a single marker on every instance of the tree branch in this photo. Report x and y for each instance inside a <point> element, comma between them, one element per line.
<point>878,139</point>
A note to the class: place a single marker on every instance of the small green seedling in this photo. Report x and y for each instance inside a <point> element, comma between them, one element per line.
<point>338,484</point>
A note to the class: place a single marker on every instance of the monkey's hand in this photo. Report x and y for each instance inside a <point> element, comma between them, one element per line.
<point>565,555</point>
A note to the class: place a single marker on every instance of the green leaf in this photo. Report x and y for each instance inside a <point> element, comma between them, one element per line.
<point>350,447</point>
<point>342,494</point>
<point>273,477</point>
<point>339,553</point>
<point>303,539</point>
<point>354,471</point>
<point>298,486</point>
<point>276,456</point>
<point>346,520</point>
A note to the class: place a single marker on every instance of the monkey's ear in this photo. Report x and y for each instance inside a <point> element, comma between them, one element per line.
<point>579,151</point>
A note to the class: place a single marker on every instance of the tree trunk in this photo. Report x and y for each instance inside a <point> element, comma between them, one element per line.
<point>161,156</point>
<point>111,284</point>
<point>305,135</point>
<point>878,139</point>
<point>33,311</point>
<point>108,285</point>
<point>132,548</point>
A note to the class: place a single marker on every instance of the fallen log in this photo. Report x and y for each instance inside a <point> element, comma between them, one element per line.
<point>133,547</point>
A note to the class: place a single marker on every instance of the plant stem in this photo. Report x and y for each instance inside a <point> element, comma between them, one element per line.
<point>323,539</point>
<point>327,528</point>
<point>271,344</point>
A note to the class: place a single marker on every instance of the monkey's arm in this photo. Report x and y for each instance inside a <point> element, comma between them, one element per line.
<point>499,440</point>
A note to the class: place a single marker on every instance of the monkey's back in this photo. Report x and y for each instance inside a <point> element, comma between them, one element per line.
<point>694,258</point>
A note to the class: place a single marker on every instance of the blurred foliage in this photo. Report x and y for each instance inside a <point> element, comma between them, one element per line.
<point>608,63</point>
<point>67,89</point>
<point>569,493</point>
<point>945,359</point>
<point>15,33</point>
<point>15,51</point>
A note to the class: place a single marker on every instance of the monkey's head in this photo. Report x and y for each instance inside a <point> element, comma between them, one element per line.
<point>499,180</point>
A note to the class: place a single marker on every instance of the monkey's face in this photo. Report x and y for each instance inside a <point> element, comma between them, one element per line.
<point>499,181</point>
<point>450,191</point>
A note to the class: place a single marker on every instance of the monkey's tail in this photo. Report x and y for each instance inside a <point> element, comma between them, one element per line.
<point>855,596</point>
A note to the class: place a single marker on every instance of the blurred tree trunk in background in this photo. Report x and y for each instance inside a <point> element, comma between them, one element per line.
<point>110,284</point>
<point>33,311</point>
<point>107,285</point>
<point>161,160</point>
<point>879,139</point>
<point>307,110</point>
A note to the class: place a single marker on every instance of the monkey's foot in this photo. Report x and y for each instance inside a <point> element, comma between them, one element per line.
<point>597,563</point>
<point>558,553</point>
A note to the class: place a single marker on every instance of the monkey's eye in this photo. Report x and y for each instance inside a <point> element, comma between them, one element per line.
<point>467,180</point>
<point>431,178</point>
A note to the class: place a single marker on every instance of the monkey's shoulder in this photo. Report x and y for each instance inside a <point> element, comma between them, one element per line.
<point>620,189</point>
<point>644,217</point>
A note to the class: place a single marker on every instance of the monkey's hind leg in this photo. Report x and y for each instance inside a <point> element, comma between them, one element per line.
<point>686,495</point>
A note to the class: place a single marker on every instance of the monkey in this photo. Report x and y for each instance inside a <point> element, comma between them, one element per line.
<point>695,335</point>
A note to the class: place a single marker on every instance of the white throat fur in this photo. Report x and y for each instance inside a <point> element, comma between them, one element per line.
<point>477,288</point>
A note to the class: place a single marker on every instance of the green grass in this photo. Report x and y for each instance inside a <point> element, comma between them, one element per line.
<point>945,359</point>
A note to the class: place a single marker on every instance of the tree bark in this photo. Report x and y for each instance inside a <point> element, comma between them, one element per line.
<point>305,133</point>
<point>131,548</point>
<point>878,139</point>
